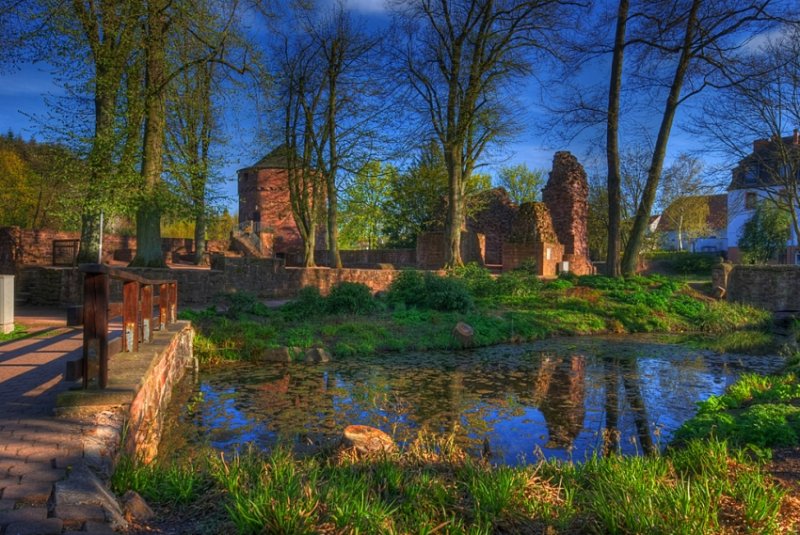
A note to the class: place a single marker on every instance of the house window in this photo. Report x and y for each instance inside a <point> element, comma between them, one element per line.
<point>751,174</point>
<point>750,200</point>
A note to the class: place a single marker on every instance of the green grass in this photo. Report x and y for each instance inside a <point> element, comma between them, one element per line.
<point>432,487</point>
<point>419,313</point>
<point>19,332</point>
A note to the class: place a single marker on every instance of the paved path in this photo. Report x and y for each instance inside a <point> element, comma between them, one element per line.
<point>36,448</point>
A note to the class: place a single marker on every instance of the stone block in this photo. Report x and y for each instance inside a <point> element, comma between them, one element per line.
<point>48,526</point>
<point>22,515</point>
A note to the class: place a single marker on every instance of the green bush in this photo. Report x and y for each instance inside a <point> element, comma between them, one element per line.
<point>350,298</point>
<point>477,279</point>
<point>408,288</point>
<point>413,289</point>
<point>242,304</point>
<point>446,294</point>
<point>518,283</point>
<point>308,303</point>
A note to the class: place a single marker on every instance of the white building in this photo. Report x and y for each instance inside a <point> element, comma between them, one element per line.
<point>758,177</point>
<point>709,220</point>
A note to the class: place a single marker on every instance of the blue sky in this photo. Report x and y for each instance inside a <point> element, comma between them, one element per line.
<point>23,92</point>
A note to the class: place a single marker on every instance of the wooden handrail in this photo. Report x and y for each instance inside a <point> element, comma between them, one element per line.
<point>136,310</point>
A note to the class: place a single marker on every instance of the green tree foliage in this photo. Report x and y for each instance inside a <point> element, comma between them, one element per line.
<point>363,216</point>
<point>764,236</point>
<point>521,183</point>
<point>38,182</point>
<point>416,198</point>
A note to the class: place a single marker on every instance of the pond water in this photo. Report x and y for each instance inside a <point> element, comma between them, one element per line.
<point>562,398</point>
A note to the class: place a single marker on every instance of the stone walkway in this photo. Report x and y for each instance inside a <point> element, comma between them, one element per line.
<point>36,448</point>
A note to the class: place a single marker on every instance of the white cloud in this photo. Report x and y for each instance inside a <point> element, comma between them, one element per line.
<point>368,6</point>
<point>756,43</point>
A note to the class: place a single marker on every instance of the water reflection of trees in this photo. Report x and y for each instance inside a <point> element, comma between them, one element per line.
<point>295,400</point>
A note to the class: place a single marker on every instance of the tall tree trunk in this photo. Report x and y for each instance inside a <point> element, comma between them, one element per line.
<point>455,207</point>
<point>612,144</point>
<point>309,243</point>
<point>200,226</point>
<point>333,202</point>
<point>148,216</point>
<point>630,260</point>
<point>333,229</point>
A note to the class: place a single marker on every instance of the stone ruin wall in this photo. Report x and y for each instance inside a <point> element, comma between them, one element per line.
<point>567,197</point>
<point>533,224</point>
<point>494,219</point>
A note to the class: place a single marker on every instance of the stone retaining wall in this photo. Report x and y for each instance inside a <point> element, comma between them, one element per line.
<point>265,278</point>
<point>769,287</point>
<point>25,247</point>
<point>146,411</point>
<point>139,391</point>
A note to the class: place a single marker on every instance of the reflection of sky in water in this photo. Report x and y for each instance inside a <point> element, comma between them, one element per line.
<point>549,398</point>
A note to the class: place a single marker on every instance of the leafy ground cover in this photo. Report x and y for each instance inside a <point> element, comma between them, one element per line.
<point>420,310</point>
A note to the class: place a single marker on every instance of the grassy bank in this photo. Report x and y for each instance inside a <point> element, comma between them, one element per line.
<point>420,311</point>
<point>715,478</point>
<point>431,487</point>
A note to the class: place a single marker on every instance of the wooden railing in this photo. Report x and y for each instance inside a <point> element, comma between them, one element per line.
<point>136,309</point>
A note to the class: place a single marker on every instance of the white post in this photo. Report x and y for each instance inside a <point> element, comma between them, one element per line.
<point>6,303</point>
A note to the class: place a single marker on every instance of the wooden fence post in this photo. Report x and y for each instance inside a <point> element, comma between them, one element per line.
<point>147,312</point>
<point>95,328</point>
<point>130,316</point>
<point>163,305</point>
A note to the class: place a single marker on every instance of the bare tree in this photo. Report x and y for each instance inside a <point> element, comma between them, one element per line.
<point>461,57</point>
<point>694,44</point>
<point>300,92</point>
<point>756,123</point>
<point>330,81</point>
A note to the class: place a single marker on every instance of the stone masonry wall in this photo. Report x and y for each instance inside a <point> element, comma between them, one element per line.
<point>431,249</point>
<point>366,258</point>
<point>26,247</point>
<point>146,412</point>
<point>265,278</point>
<point>567,197</point>
<point>494,217</point>
<point>533,224</point>
<point>514,254</point>
<point>769,287</point>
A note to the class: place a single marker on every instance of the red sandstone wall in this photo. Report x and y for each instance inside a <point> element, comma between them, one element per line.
<point>264,194</point>
<point>27,247</point>
<point>494,220</point>
<point>365,258</point>
<point>567,197</point>
<point>431,249</point>
<point>514,254</point>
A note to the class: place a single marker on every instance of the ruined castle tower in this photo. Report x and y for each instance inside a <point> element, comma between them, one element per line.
<point>567,197</point>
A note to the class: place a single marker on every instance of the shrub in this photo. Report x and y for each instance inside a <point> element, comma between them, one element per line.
<point>559,284</point>
<point>408,288</point>
<point>518,283</point>
<point>242,303</point>
<point>477,279</point>
<point>309,302</point>
<point>350,298</point>
<point>446,294</point>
